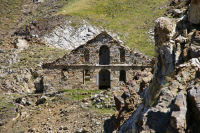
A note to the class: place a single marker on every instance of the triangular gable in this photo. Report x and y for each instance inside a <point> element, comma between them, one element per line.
<point>103,37</point>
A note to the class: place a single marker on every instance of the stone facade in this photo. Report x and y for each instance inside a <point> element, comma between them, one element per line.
<point>101,63</point>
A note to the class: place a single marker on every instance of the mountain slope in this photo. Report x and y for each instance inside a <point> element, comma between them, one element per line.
<point>131,19</point>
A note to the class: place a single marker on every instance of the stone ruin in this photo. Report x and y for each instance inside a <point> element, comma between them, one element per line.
<point>102,62</point>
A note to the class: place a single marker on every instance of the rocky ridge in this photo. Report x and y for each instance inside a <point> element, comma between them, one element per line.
<point>171,102</point>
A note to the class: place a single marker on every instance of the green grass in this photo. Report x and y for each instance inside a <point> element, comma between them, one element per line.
<point>6,100</point>
<point>9,8</point>
<point>104,110</point>
<point>130,19</point>
<point>7,107</point>
<point>79,94</point>
<point>9,12</point>
<point>36,55</point>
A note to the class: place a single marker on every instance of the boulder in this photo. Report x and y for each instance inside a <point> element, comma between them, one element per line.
<point>41,100</point>
<point>1,123</point>
<point>38,1</point>
<point>164,29</point>
<point>119,102</point>
<point>21,44</point>
<point>194,12</point>
<point>23,101</point>
<point>39,85</point>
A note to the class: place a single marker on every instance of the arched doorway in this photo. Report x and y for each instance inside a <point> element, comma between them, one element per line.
<point>104,79</point>
<point>122,55</point>
<point>122,76</point>
<point>104,55</point>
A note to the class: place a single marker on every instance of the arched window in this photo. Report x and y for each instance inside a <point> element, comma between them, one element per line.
<point>104,55</point>
<point>87,55</point>
<point>122,55</point>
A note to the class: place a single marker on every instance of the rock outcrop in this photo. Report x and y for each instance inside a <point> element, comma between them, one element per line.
<point>172,101</point>
<point>62,31</point>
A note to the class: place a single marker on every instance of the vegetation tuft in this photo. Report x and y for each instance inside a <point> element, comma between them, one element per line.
<point>79,94</point>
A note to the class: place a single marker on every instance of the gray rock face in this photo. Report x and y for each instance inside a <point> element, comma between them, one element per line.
<point>178,116</point>
<point>70,37</point>
<point>194,98</point>
<point>164,30</point>
<point>194,12</point>
<point>157,118</point>
<point>131,126</point>
<point>61,31</point>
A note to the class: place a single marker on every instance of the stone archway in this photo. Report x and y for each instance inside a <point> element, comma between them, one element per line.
<point>104,79</point>
<point>104,55</point>
<point>122,76</point>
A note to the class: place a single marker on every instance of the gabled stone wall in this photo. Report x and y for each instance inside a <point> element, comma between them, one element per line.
<point>77,56</point>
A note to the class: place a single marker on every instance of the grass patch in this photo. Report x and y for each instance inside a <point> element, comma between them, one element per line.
<point>104,110</point>
<point>9,12</point>
<point>79,94</point>
<point>36,55</point>
<point>7,107</point>
<point>6,100</point>
<point>131,19</point>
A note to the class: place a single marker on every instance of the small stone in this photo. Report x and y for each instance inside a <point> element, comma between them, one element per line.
<point>43,123</point>
<point>32,130</point>
<point>98,123</point>
<point>65,128</point>
<point>177,12</point>
<point>61,128</point>
<point>41,100</point>
<point>1,123</point>
<point>38,1</point>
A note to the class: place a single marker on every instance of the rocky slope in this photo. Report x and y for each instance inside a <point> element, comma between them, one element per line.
<point>30,98</point>
<point>53,112</point>
<point>172,101</point>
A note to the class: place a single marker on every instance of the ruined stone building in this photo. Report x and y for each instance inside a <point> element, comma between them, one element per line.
<point>102,62</point>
